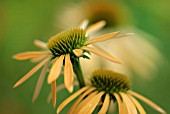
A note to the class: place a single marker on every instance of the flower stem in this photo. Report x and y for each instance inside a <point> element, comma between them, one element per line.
<point>78,72</point>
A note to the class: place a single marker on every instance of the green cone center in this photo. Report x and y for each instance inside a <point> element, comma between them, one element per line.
<point>109,81</point>
<point>66,41</point>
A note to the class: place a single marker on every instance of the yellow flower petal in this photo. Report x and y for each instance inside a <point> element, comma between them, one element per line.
<point>68,74</point>
<point>65,102</point>
<point>59,88</point>
<point>129,104</point>
<point>40,82</point>
<point>95,27</point>
<point>91,105</point>
<point>102,38</point>
<point>79,99</point>
<point>120,103</point>
<point>30,54</point>
<point>78,52</point>
<point>85,101</point>
<point>40,44</point>
<point>39,58</point>
<point>53,91</point>
<point>105,106</point>
<point>56,69</point>
<point>147,101</point>
<point>101,53</point>
<point>31,72</point>
<point>138,105</point>
<point>84,24</point>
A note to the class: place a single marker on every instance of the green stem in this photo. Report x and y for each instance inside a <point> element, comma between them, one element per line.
<point>78,72</point>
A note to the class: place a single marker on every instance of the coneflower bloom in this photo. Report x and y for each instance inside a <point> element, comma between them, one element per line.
<point>106,86</point>
<point>64,49</point>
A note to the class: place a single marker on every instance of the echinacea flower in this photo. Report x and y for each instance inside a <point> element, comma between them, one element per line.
<point>64,49</point>
<point>114,13</point>
<point>107,86</point>
<point>132,50</point>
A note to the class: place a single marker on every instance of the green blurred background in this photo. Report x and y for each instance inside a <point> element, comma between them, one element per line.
<point>22,21</point>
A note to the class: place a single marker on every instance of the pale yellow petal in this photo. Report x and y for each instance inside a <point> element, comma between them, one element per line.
<point>125,110</point>
<point>105,106</point>
<point>138,105</point>
<point>68,74</point>
<point>95,27</point>
<point>102,38</point>
<point>84,102</point>
<point>38,59</point>
<point>40,44</point>
<point>30,54</point>
<point>78,52</point>
<point>112,107</point>
<point>120,103</point>
<point>56,69</point>
<point>40,82</point>
<point>84,24</point>
<point>59,88</point>
<point>101,53</point>
<point>49,97</point>
<point>91,105</point>
<point>53,91</point>
<point>73,96</point>
<point>79,99</point>
<point>129,104</point>
<point>31,72</point>
<point>147,101</point>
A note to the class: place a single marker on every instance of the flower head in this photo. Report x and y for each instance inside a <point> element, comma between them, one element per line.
<point>63,49</point>
<point>106,86</point>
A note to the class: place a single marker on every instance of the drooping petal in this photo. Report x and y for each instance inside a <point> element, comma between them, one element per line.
<point>101,53</point>
<point>95,27</point>
<point>105,106</point>
<point>125,108</point>
<point>65,102</point>
<point>56,69</point>
<point>120,103</point>
<point>123,35</point>
<point>85,101</point>
<point>78,52</point>
<point>53,91</point>
<point>129,104</point>
<point>84,24</point>
<point>102,38</point>
<point>59,88</point>
<point>112,107</point>
<point>68,74</point>
<point>40,44</point>
<point>40,82</point>
<point>39,58</point>
<point>30,54</point>
<point>91,105</point>
<point>31,72</point>
<point>147,101</point>
<point>79,99</point>
<point>138,105</point>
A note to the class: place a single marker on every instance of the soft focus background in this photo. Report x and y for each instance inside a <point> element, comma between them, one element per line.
<point>22,21</point>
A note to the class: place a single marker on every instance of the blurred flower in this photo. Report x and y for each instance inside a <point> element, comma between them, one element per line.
<point>139,54</point>
<point>64,49</point>
<point>115,14</point>
<point>105,86</point>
